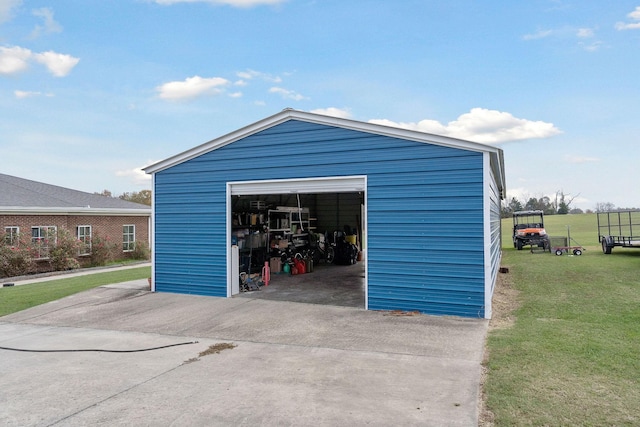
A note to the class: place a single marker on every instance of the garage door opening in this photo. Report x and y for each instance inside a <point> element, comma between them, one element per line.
<point>311,234</point>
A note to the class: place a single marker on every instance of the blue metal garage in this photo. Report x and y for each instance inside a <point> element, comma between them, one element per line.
<point>430,216</point>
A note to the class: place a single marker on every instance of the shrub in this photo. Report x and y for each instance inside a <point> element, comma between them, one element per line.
<point>63,253</point>
<point>141,251</point>
<point>102,250</point>
<point>16,259</point>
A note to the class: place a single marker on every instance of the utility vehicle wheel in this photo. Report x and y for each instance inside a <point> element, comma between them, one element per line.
<point>577,252</point>
<point>605,247</point>
<point>331,255</point>
<point>558,252</point>
<point>519,244</point>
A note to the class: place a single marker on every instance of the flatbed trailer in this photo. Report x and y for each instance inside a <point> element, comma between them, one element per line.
<point>619,228</point>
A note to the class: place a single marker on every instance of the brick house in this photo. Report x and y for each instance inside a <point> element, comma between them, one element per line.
<point>37,209</point>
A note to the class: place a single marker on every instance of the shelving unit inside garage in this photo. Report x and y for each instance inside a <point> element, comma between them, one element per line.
<point>258,228</point>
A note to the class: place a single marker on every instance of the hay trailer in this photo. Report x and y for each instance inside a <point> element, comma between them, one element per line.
<point>618,228</point>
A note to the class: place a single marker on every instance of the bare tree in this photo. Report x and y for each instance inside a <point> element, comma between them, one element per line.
<point>605,207</point>
<point>562,202</point>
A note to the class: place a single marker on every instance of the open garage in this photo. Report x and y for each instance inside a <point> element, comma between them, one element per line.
<point>298,233</point>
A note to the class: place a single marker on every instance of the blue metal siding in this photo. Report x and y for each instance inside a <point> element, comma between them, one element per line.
<point>425,213</point>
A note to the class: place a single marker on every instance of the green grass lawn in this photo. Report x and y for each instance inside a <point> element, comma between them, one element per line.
<point>572,357</point>
<point>18,298</point>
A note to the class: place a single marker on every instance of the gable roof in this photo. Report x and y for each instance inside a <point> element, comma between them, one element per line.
<point>497,156</point>
<point>19,195</point>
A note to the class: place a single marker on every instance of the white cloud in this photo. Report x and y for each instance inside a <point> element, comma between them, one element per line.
<point>192,87</point>
<point>233,3</point>
<point>58,64</point>
<point>584,32</point>
<point>49,24</point>
<point>581,159</point>
<point>24,94</point>
<point>6,8</point>
<point>287,94</point>
<point>520,193</point>
<point>566,32</point>
<point>253,74</point>
<point>342,113</point>
<point>136,175</point>
<point>634,16</point>
<point>592,47</point>
<point>21,94</point>
<point>236,95</point>
<point>538,35</point>
<point>14,59</point>
<point>482,125</point>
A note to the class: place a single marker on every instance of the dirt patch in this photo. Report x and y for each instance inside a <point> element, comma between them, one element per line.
<point>217,348</point>
<point>504,303</point>
<point>213,349</point>
<point>400,313</point>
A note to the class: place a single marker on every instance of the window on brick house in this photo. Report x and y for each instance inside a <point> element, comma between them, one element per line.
<point>42,237</point>
<point>11,235</point>
<point>128,237</point>
<point>84,235</point>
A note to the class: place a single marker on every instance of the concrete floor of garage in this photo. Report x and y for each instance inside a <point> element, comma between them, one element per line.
<point>339,285</point>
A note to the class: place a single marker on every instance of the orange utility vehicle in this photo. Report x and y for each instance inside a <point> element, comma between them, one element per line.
<point>528,230</point>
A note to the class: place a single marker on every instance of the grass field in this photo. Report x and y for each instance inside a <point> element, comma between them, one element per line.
<point>572,354</point>
<point>17,298</point>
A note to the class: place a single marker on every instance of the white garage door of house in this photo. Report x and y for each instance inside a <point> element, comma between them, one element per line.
<point>337,184</point>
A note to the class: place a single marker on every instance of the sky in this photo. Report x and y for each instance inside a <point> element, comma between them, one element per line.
<point>92,91</point>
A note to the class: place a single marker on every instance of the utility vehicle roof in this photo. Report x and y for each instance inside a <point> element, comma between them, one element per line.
<point>524,213</point>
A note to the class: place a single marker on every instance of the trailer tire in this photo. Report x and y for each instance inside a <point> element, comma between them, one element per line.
<point>577,252</point>
<point>606,249</point>
<point>558,252</point>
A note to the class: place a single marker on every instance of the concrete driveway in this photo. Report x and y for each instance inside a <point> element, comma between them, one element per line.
<point>277,363</point>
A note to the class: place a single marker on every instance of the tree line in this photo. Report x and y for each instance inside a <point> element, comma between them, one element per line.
<point>559,204</point>
<point>143,197</point>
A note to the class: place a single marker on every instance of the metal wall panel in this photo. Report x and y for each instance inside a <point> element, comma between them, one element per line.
<point>425,213</point>
<point>495,238</point>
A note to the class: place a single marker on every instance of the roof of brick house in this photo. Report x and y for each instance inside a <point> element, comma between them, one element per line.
<point>19,194</point>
